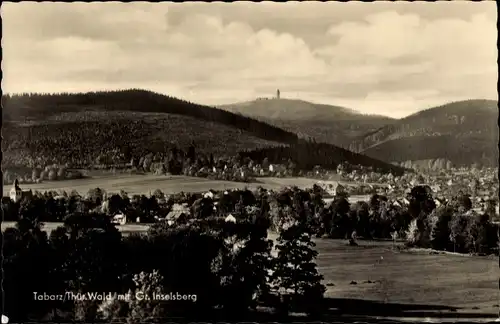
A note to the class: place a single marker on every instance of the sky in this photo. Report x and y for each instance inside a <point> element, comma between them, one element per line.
<point>382,58</point>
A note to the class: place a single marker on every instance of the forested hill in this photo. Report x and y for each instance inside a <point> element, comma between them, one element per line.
<point>41,106</point>
<point>463,133</point>
<point>85,129</point>
<point>326,123</point>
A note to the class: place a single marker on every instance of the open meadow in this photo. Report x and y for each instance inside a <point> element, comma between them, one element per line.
<point>144,184</point>
<point>401,284</point>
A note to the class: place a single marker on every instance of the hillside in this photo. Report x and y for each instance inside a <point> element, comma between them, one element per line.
<point>463,133</point>
<point>307,155</point>
<point>79,138</point>
<point>79,129</point>
<point>41,106</point>
<point>329,124</point>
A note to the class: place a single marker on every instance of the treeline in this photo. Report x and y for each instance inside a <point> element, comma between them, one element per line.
<point>308,154</point>
<point>420,222</point>
<point>43,105</point>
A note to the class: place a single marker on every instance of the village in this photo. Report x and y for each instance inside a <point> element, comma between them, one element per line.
<point>479,185</point>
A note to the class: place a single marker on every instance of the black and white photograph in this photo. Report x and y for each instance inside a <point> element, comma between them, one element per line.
<point>250,162</point>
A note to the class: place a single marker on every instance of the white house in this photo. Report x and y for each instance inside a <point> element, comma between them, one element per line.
<point>120,218</point>
<point>437,202</point>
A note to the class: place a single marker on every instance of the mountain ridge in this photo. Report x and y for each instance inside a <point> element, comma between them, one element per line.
<point>85,124</point>
<point>326,123</point>
<point>459,131</point>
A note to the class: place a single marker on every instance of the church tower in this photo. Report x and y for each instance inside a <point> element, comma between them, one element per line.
<point>16,193</point>
<point>278,94</point>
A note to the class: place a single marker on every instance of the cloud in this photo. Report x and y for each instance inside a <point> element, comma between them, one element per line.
<point>389,58</point>
<point>443,54</point>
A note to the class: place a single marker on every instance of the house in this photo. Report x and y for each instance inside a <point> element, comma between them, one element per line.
<point>177,212</point>
<point>209,194</point>
<point>230,218</point>
<point>436,188</point>
<point>437,202</point>
<point>119,218</point>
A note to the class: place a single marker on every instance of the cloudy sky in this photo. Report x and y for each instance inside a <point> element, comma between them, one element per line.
<point>385,58</point>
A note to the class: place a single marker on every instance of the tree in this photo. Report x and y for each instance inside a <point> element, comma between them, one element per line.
<point>421,205</point>
<point>52,175</point>
<point>115,204</point>
<point>462,202</point>
<point>35,175</point>
<point>158,194</point>
<point>202,208</point>
<point>458,232</point>
<point>363,219</point>
<point>146,164</point>
<point>341,225</point>
<point>26,265</point>
<point>96,196</point>
<point>61,173</point>
<point>243,264</point>
<point>482,236</point>
<point>440,235</point>
<point>265,164</point>
<point>295,274</point>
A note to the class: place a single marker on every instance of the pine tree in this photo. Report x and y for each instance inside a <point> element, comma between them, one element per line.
<point>295,275</point>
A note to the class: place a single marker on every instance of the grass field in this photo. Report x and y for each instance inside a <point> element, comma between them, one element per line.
<point>143,184</point>
<point>467,285</point>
